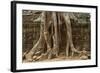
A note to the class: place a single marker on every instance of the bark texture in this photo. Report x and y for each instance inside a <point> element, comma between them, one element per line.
<point>49,42</point>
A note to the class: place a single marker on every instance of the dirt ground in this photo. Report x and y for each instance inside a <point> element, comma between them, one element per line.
<point>59,58</point>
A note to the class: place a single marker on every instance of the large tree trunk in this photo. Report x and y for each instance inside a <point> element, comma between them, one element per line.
<point>69,44</point>
<point>37,47</point>
<point>50,39</point>
<point>55,36</point>
<point>40,43</point>
<point>47,34</point>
